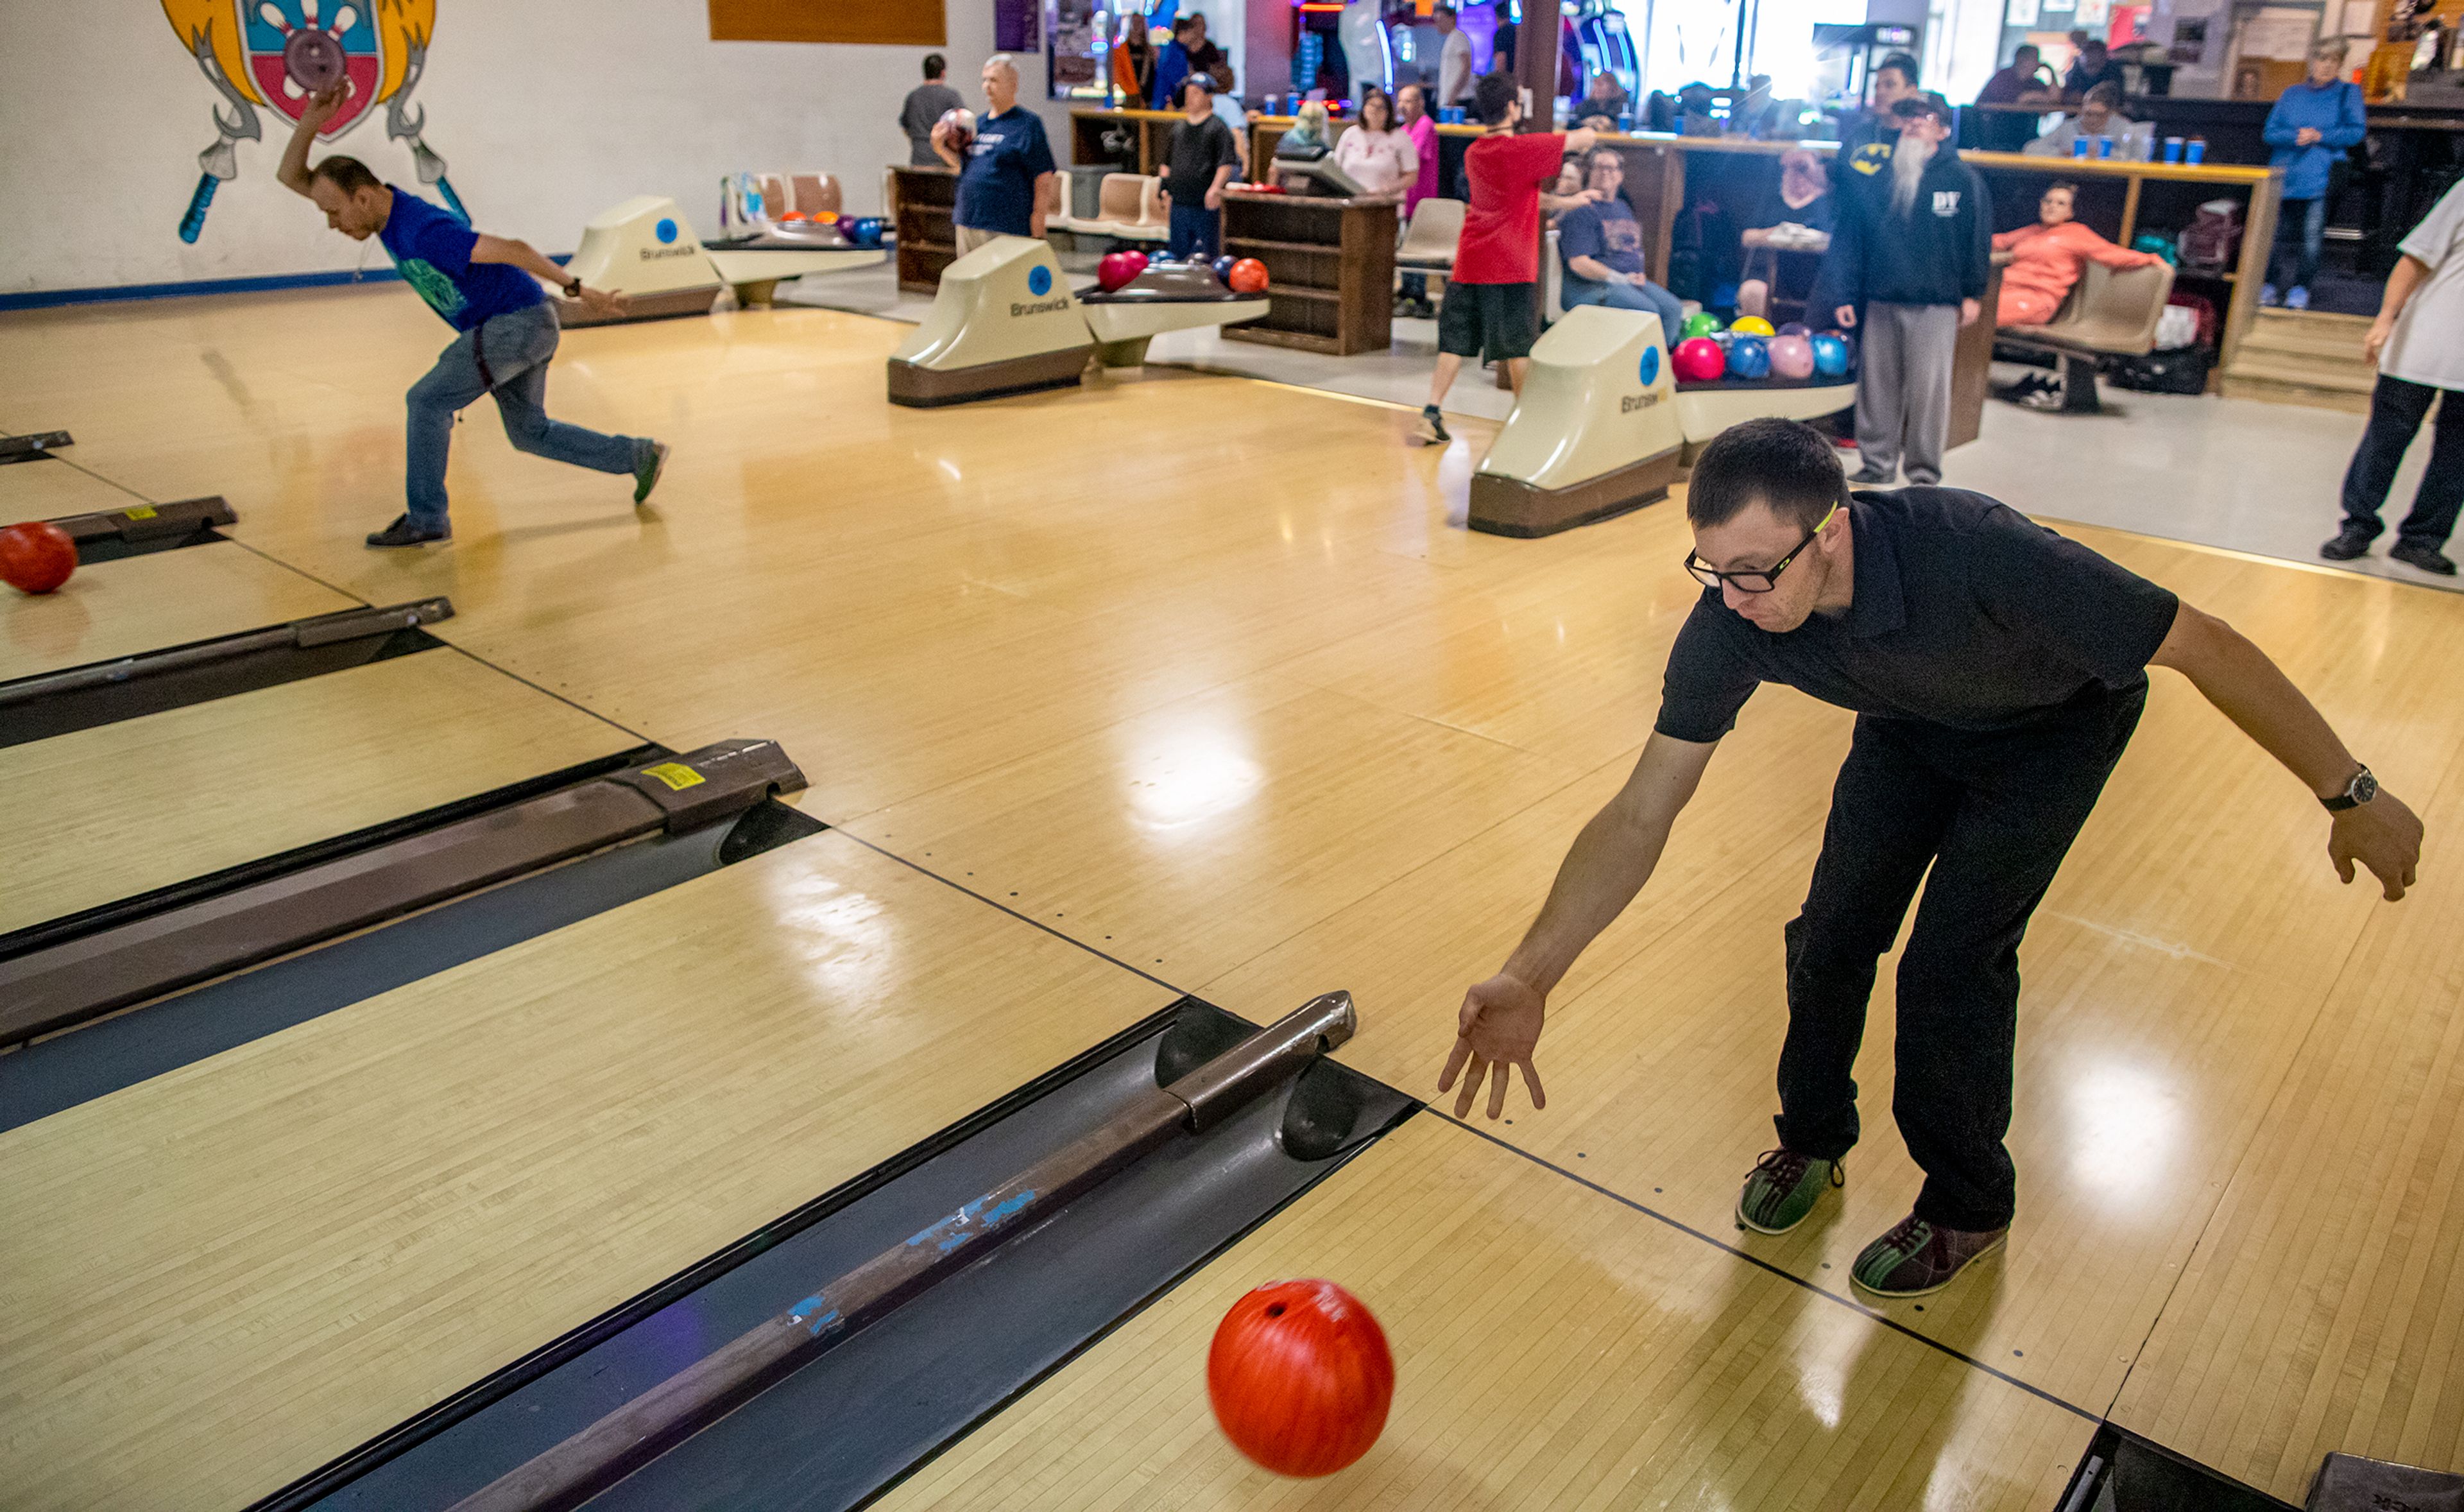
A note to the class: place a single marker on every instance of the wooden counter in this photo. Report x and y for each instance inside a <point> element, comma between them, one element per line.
<point>922,202</point>
<point>1331,267</point>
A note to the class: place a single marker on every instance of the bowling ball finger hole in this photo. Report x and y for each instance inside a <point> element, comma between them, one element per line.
<point>1275,1311</point>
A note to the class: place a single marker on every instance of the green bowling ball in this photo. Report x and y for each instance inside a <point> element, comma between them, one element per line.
<point>1702,322</point>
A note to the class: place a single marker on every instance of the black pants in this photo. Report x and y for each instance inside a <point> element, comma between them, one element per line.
<point>2397,407</point>
<point>1993,813</point>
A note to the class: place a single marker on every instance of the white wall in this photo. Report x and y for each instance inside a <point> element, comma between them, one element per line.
<point>546,112</point>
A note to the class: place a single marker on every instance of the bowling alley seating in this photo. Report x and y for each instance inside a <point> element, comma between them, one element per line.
<point>814,194</point>
<point>1428,244</point>
<point>2109,313</point>
<point>1128,207</point>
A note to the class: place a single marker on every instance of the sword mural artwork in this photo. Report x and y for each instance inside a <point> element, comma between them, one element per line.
<point>276,54</point>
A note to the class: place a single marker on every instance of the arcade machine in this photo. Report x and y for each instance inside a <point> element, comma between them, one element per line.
<point>1844,58</point>
<point>1366,52</point>
<point>1607,46</point>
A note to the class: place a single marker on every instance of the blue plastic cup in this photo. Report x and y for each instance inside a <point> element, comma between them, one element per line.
<point>2173,149</point>
<point>2196,151</point>
<point>2104,147</point>
<point>2079,146</point>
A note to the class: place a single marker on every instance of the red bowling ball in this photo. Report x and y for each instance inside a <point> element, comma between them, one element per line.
<point>36,557</point>
<point>1699,360</point>
<point>1300,1377</point>
<point>1249,276</point>
<point>1119,268</point>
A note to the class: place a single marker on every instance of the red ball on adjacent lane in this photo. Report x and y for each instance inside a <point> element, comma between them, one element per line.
<point>37,556</point>
<point>1249,276</point>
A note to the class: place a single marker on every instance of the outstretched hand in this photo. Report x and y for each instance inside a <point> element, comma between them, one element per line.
<point>2384,835</point>
<point>1496,1032</point>
<point>604,304</point>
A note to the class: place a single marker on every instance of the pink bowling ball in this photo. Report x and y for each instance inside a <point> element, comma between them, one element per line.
<point>1791,357</point>
<point>1118,269</point>
<point>1699,360</point>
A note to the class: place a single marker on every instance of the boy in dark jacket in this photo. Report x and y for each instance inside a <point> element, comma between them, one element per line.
<point>1913,252</point>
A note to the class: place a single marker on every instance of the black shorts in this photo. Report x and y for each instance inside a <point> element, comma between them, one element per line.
<point>1495,321</point>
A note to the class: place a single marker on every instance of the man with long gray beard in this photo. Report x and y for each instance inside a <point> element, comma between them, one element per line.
<point>1915,257</point>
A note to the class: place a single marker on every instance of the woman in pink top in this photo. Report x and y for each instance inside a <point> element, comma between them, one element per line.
<point>1413,101</point>
<point>2042,262</point>
<point>1377,156</point>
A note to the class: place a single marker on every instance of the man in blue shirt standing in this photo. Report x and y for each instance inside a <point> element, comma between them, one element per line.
<point>1006,176</point>
<point>483,287</point>
<point>1601,244</point>
<point>2313,125</point>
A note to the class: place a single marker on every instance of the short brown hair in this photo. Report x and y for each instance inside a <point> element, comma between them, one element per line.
<point>1788,467</point>
<point>350,175</point>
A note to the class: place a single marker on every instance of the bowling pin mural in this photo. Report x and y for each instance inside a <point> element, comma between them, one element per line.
<point>276,54</point>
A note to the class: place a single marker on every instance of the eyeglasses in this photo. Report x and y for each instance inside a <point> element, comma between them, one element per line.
<point>1760,580</point>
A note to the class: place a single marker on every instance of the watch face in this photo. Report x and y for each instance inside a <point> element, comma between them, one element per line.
<point>2365,788</point>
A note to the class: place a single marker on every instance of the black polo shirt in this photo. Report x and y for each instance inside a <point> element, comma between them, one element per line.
<point>1964,613</point>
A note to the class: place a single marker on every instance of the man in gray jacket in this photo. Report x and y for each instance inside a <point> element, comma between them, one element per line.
<point>1914,253</point>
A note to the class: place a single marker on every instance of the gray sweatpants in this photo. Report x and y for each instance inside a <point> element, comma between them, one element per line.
<point>1903,388</point>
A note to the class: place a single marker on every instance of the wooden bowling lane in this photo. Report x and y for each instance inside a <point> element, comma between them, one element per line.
<point>129,807</point>
<point>143,603</point>
<point>48,489</point>
<point>215,1281</point>
<point>1553,1349</point>
<point>2321,1310</point>
<point>2172,977</point>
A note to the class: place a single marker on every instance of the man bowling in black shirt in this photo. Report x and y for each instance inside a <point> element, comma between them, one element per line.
<point>1997,671</point>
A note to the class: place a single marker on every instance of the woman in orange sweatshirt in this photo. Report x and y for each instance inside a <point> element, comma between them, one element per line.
<point>2044,259</point>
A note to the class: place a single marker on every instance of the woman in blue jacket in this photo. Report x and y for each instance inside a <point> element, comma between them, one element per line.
<point>2313,125</point>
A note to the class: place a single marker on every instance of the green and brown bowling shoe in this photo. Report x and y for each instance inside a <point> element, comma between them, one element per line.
<point>1917,1258</point>
<point>1783,1189</point>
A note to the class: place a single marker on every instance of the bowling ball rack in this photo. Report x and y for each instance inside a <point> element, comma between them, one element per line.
<point>1187,1131</point>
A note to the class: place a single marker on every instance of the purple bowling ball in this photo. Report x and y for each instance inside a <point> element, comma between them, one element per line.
<point>1791,357</point>
<point>1796,328</point>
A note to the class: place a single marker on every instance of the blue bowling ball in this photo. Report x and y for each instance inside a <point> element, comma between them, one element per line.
<point>866,231</point>
<point>1830,355</point>
<point>1157,260</point>
<point>1749,357</point>
<point>1223,268</point>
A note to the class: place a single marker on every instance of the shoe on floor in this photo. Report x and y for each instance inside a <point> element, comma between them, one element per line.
<point>2349,543</point>
<point>1861,479</point>
<point>646,475</point>
<point>2267,295</point>
<point>403,533</point>
<point>2297,297</point>
<point>1783,1187</point>
<point>1432,428</point>
<point>2427,559</point>
<point>1916,1259</point>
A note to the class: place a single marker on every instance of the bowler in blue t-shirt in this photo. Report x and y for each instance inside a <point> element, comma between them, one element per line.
<point>488,289</point>
<point>1006,171</point>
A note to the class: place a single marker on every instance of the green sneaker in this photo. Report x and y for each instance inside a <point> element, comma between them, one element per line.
<point>646,474</point>
<point>1916,1259</point>
<point>1783,1189</point>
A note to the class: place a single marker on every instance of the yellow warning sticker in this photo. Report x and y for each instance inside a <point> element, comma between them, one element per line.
<point>676,774</point>
<point>139,512</point>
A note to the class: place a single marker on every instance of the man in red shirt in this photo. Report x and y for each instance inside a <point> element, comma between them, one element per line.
<point>1491,302</point>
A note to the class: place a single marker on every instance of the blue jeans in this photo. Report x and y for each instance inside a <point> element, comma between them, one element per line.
<point>517,346</point>
<point>1649,298</point>
<point>1196,232</point>
<point>2300,229</point>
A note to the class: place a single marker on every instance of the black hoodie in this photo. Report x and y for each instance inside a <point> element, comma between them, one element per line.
<point>1936,254</point>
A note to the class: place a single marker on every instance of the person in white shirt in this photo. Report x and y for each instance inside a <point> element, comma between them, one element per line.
<point>1454,60</point>
<point>2099,116</point>
<point>1377,156</point>
<point>2418,342</point>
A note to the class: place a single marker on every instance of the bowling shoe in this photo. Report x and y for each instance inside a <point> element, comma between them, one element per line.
<point>1917,1258</point>
<point>403,533</point>
<point>2427,559</point>
<point>1783,1187</point>
<point>2350,542</point>
<point>647,471</point>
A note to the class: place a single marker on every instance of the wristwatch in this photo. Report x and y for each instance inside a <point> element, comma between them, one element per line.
<point>2360,790</point>
<point>573,289</point>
